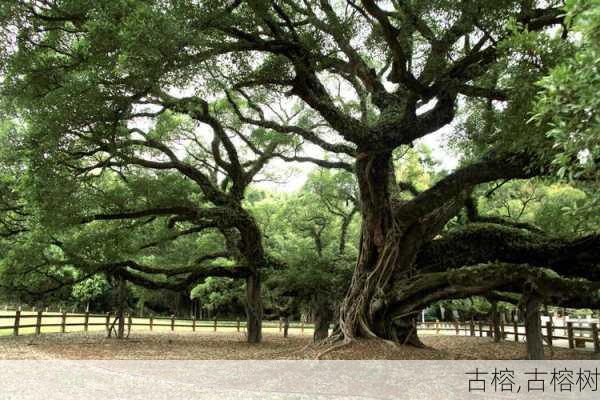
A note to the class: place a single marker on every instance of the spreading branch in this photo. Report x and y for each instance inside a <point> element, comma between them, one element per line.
<point>482,243</point>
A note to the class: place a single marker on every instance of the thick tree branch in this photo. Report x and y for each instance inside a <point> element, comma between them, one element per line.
<point>482,243</point>
<point>196,229</point>
<point>186,211</point>
<point>463,180</point>
<point>417,293</point>
<point>400,72</point>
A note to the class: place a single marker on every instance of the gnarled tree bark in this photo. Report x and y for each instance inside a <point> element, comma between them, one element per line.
<point>533,329</point>
<point>322,317</point>
<point>397,247</point>
<point>254,309</point>
<point>387,250</point>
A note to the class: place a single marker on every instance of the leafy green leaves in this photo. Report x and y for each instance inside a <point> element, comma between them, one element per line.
<point>568,101</point>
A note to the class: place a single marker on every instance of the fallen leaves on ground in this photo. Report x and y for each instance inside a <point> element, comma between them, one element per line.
<point>232,346</point>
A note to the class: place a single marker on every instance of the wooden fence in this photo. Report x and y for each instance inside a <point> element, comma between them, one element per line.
<point>19,321</point>
<point>575,336</point>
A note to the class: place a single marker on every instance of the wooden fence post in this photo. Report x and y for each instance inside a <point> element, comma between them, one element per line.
<point>215,324</point>
<point>549,332</point>
<point>480,329</point>
<point>437,326</point>
<point>38,322</point>
<point>472,327</point>
<point>516,329</point>
<point>172,322</point>
<point>63,322</point>
<point>570,335</point>
<point>595,337</point>
<point>286,326</point>
<point>129,321</point>
<point>194,324</point>
<point>237,322</point>
<point>17,321</point>
<point>151,323</point>
<point>86,321</point>
<point>107,321</point>
<point>502,334</point>
<point>302,328</point>
<point>456,327</point>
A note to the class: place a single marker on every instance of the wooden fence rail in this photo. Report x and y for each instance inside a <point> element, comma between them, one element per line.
<point>574,335</point>
<point>38,320</point>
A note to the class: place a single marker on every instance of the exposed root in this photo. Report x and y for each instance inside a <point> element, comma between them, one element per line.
<point>413,340</point>
<point>410,334</point>
<point>388,342</point>
<point>299,350</point>
<point>334,338</point>
<point>334,348</point>
<point>313,346</point>
<point>308,346</point>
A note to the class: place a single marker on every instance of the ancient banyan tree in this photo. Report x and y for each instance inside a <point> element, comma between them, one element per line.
<point>178,95</point>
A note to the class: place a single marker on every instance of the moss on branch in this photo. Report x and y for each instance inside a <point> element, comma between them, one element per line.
<point>483,243</point>
<point>413,294</point>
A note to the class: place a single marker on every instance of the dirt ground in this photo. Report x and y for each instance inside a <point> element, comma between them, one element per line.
<point>232,346</point>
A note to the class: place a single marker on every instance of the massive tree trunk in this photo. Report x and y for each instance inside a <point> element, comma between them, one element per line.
<point>533,329</point>
<point>390,285</point>
<point>386,250</point>
<point>254,309</point>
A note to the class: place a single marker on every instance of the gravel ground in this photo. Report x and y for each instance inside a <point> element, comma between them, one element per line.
<point>232,346</point>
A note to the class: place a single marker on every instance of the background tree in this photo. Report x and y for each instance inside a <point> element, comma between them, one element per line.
<point>116,167</point>
<point>314,231</point>
<point>569,96</point>
<point>90,290</point>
